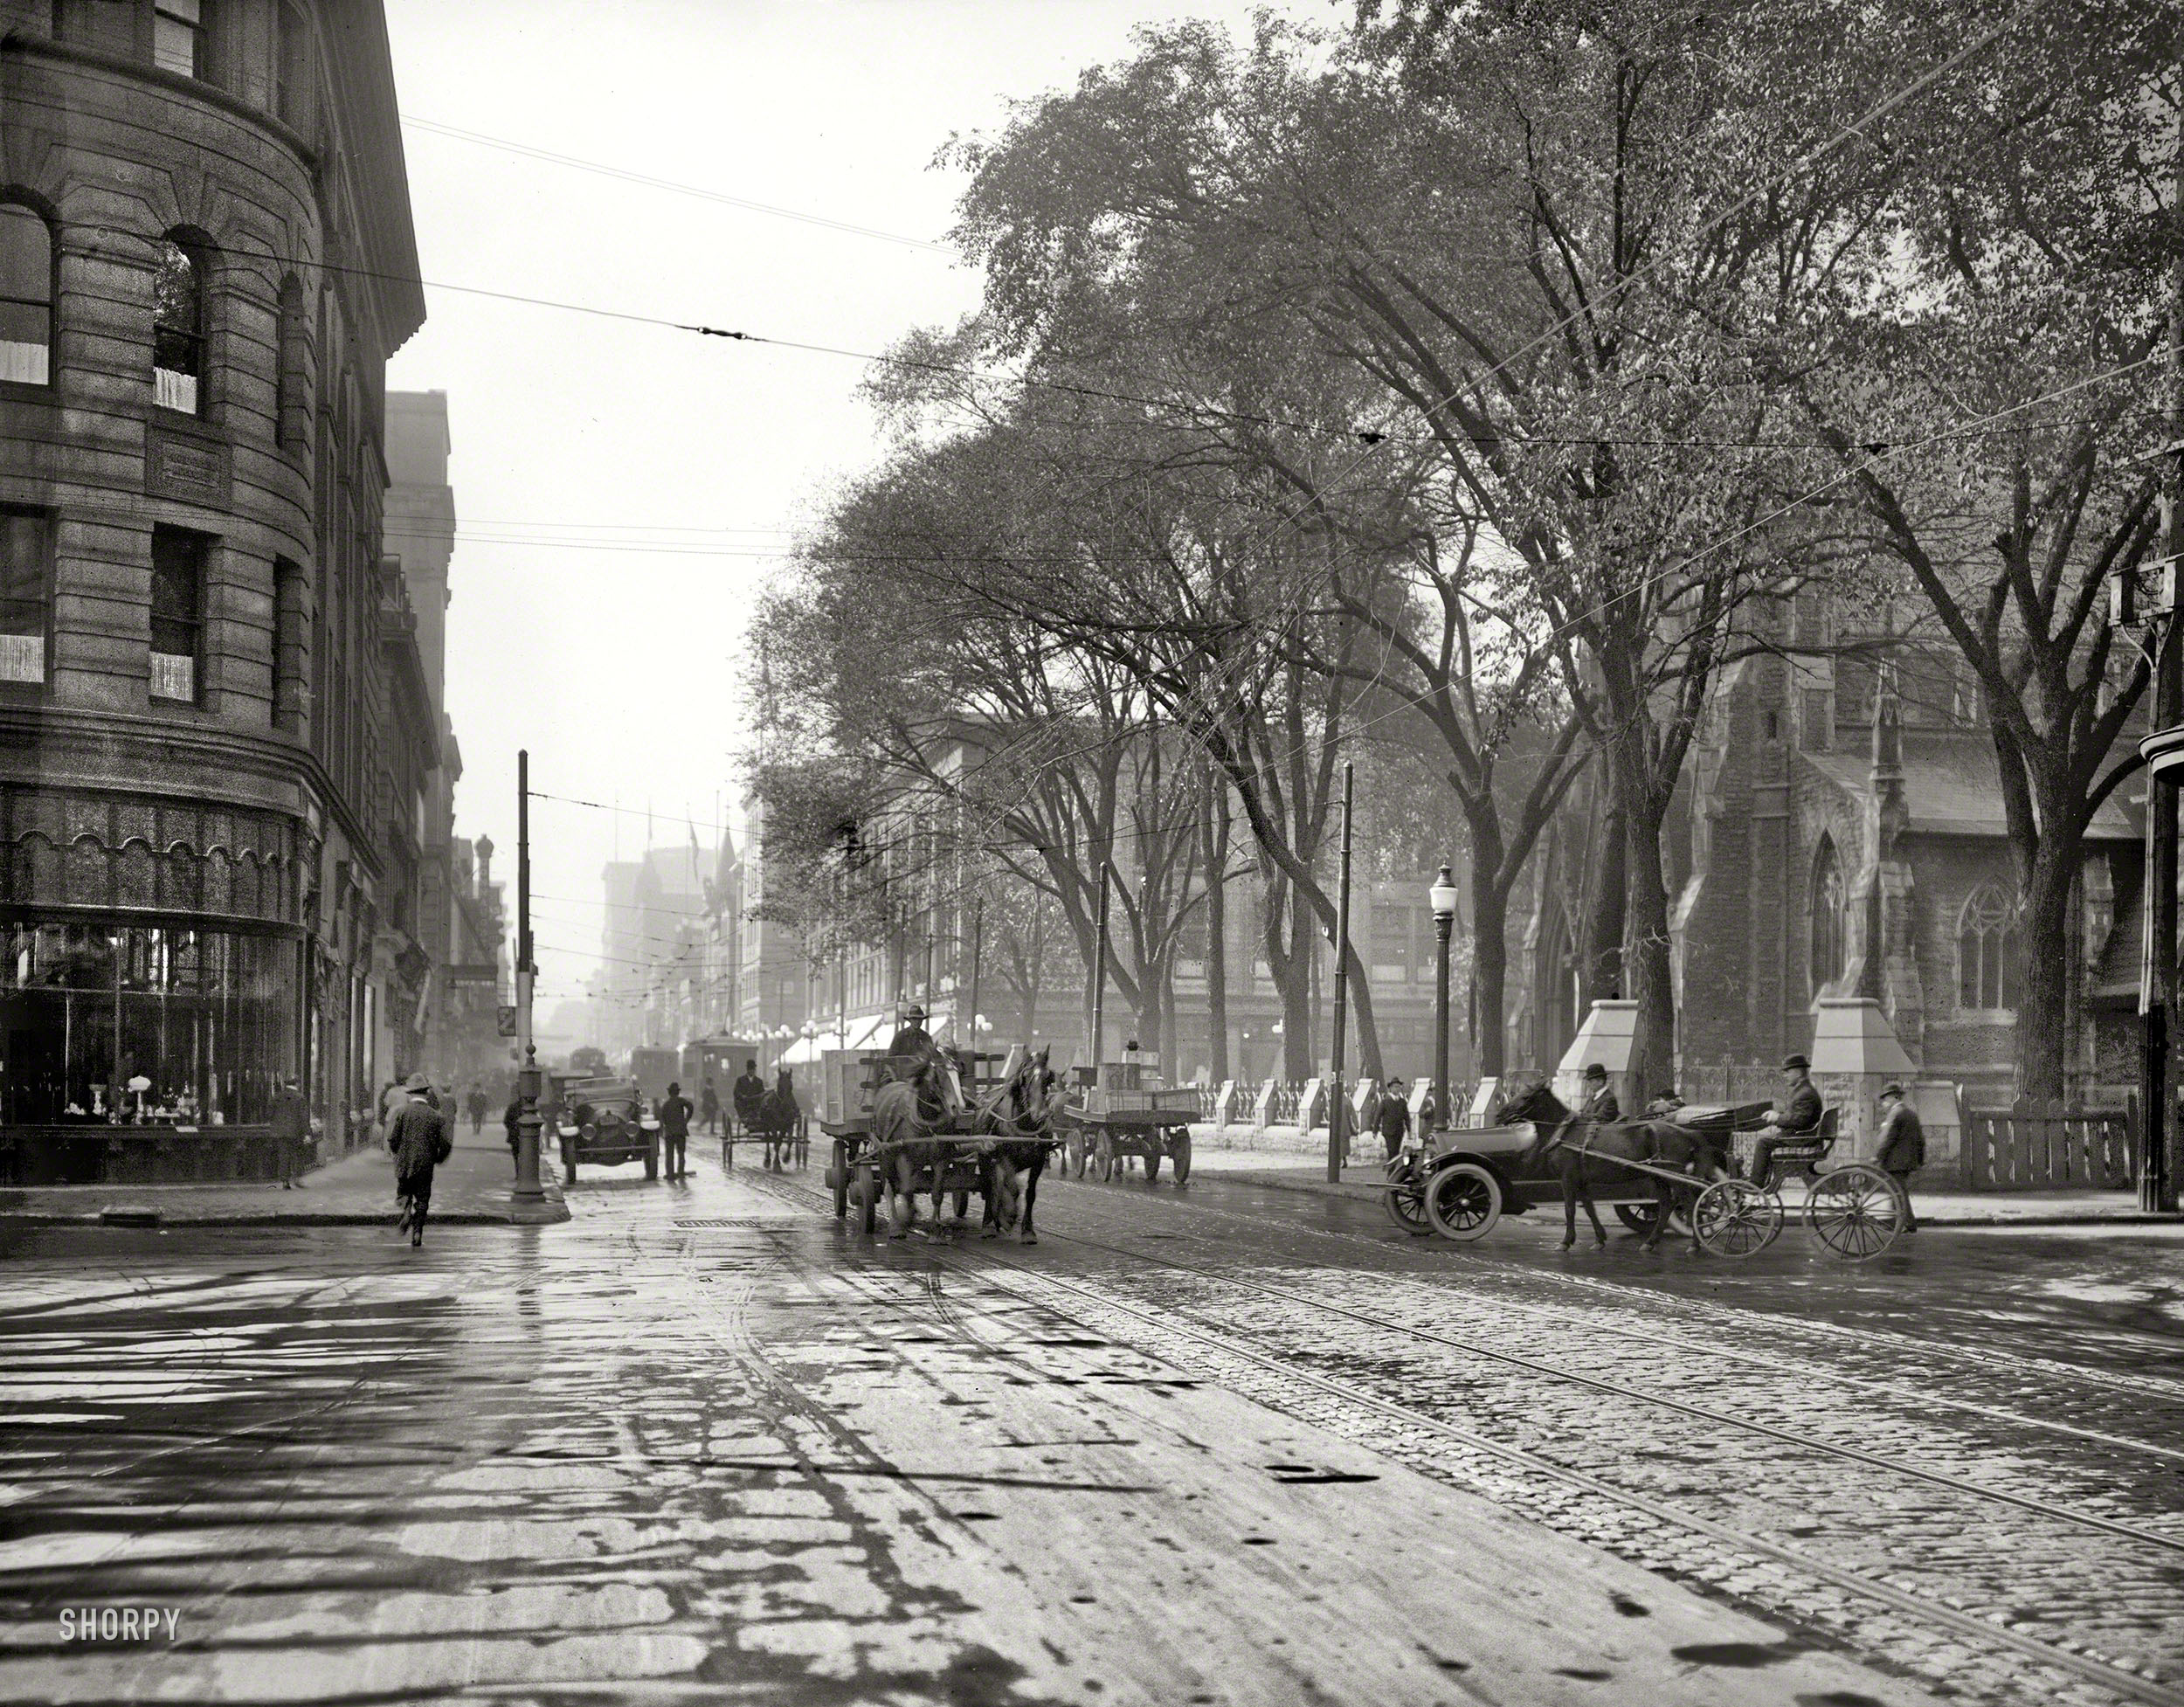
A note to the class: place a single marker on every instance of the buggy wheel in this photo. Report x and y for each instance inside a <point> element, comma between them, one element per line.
<point>867,1195</point>
<point>1855,1211</point>
<point>1105,1157</point>
<point>838,1177</point>
<point>1180,1153</point>
<point>1152,1160</point>
<point>1735,1217</point>
<point>1072,1153</point>
<point>1463,1201</point>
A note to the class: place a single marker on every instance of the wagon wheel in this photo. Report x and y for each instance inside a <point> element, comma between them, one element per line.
<point>1105,1157</point>
<point>838,1177</point>
<point>1152,1158</point>
<point>1179,1155</point>
<point>1073,1152</point>
<point>1735,1217</point>
<point>867,1195</point>
<point>1463,1201</point>
<point>1856,1211</point>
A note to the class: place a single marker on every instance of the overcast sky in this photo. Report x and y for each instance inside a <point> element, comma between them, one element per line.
<point>619,484</point>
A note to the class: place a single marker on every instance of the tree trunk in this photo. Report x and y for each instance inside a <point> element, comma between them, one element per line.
<point>1601,971</point>
<point>1217,826</point>
<point>1646,960</point>
<point>1489,975</point>
<point>2042,998</point>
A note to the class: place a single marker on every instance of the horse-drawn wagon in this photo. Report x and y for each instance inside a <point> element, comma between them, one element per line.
<point>898,1146</point>
<point>1119,1111</point>
<point>1652,1172</point>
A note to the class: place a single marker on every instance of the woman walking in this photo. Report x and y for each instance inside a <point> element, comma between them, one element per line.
<point>418,1136</point>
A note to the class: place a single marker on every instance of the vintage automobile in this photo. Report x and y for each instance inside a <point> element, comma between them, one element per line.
<point>605,1122</point>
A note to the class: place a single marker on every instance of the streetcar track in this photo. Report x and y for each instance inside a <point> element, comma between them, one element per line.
<point>1636,1297</point>
<point>2114,1677</point>
<point>1938,1478</point>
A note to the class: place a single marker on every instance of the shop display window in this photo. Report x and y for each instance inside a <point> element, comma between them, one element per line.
<point>144,1023</point>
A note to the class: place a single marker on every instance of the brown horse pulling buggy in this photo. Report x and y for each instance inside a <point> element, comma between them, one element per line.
<point>1655,1172</point>
<point>894,1138</point>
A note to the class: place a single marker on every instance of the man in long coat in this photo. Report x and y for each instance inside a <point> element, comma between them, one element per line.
<point>418,1136</point>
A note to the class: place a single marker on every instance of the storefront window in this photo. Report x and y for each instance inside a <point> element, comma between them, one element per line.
<point>143,1023</point>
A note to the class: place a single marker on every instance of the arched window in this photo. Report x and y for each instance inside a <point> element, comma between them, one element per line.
<point>26,296</point>
<point>1988,944</point>
<point>1828,952</point>
<point>178,328</point>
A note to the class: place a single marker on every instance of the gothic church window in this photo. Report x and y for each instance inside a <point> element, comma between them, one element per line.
<point>1988,944</point>
<point>1828,915</point>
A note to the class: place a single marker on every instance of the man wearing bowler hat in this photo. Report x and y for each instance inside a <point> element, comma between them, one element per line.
<point>1903,1147</point>
<point>1797,1116</point>
<point>1599,1103</point>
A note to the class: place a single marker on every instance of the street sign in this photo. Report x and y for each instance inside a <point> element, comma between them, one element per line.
<point>508,1022</point>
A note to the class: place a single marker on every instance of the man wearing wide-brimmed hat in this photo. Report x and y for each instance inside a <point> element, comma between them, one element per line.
<point>1796,1116</point>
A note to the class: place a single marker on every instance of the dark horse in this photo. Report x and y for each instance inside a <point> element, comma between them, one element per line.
<point>779,1120</point>
<point>906,1113</point>
<point>1583,1153</point>
<point>1021,1115</point>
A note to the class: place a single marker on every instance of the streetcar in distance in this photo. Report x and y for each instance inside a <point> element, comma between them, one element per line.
<point>653,1070</point>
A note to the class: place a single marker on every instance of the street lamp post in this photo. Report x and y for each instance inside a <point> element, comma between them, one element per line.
<point>529,1197</point>
<point>1442,895</point>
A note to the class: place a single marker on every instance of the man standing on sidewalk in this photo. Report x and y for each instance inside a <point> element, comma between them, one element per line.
<point>1394,1119</point>
<point>478,1105</point>
<point>674,1131</point>
<point>419,1139</point>
<point>1903,1147</point>
<point>291,1124</point>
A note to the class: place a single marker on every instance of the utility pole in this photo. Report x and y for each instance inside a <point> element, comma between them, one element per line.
<point>977,931</point>
<point>1338,1126</point>
<point>529,1195</point>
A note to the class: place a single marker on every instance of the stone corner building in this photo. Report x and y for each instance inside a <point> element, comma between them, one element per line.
<point>212,725</point>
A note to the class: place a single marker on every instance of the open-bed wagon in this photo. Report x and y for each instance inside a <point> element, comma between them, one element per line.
<point>856,1167</point>
<point>1114,1115</point>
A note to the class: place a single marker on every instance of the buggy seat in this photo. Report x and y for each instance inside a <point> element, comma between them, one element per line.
<point>1802,1152</point>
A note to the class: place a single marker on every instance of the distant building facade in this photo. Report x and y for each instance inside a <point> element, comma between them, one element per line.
<point>213,715</point>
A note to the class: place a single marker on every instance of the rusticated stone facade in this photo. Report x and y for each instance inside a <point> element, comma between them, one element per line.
<point>208,728</point>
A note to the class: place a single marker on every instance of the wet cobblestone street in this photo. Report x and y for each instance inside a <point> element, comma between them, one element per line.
<point>1225,1446</point>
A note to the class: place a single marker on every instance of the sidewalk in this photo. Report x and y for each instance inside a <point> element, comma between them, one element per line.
<point>1296,1171</point>
<point>471,1186</point>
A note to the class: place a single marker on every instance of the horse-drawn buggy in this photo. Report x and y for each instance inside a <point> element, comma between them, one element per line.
<point>1669,1169</point>
<point>948,1126</point>
<point>1119,1111</point>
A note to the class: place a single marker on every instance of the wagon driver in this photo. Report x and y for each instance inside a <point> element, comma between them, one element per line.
<point>1795,1118</point>
<point>913,1055</point>
<point>1600,1105</point>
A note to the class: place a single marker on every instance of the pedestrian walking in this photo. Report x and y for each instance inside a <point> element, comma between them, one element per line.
<point>709,1105</point>
<point>674,1131</point>
<point>512,1119</point>
<point>418,1138</point>
<point>291,1127</point>
<point>1394,1119</point>
<point>478,1104</point>
<point>1903,1146</point>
